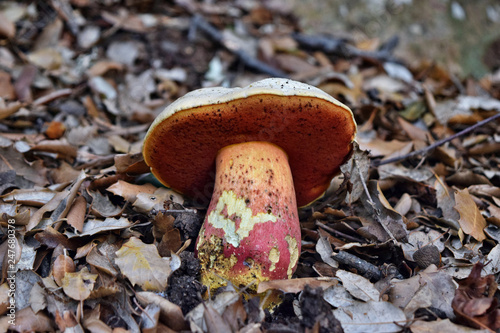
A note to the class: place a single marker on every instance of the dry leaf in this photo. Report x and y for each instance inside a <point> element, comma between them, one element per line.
<point>441,326</point>
<point>7,27</point>
<point>142,265</point>
<point>129,191</point>
<point>62,265</point>
<point>296,285</point>
<point>358,286</point>
<point>378,316</point>
<point>48,58</point>
<point>77,213</point>
<point>79,285</point>
<point>170,313</point>
<point>92,227</point>
<point>6,88</point>
<point>147,202</point>
<point>28,321</point>
<point>471,221</point>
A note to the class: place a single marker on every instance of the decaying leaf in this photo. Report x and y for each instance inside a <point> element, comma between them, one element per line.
<point>473,302</point>
<point>79,285</point>
<point>129,191</point>
<point>62,265</point>
<point>93,226</point>
<point>442,326</point>
<point>296,285</point>
<point>430,288</point>
<point>471,221</point>
<point>143,266</point>
<point>170,314</point>
<point>358,286</point>
<point>147,202</point>
<point>373,316</point>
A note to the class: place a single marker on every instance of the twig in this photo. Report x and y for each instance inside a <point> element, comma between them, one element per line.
<point>437,143</point>
<point>340,47</point>
<point>339,233</point>
<point>199,22</point>
<point>366,269</point>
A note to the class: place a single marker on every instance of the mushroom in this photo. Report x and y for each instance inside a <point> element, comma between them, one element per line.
<point>273,144</point>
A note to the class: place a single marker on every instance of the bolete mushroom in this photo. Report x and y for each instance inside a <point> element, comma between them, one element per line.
<point>273,144</point>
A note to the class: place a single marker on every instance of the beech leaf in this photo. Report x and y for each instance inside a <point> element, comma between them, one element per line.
<point>471,221</point>
<point>142,265</point>
<point>79,285</point>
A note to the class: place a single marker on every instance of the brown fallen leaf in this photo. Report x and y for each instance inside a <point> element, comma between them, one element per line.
<point>170,313</point>
<point>471,221</point>
<point>6,88</point>
<point>31,197</point>
<point>147,202</point>
<point>9,109</point>
<point>214,321</point>
<point>29,321</point>
<point>22,85</point>
<point>48,58</point>
<point>142,265</point>
<point>473,303</point>
<point>7,27</point>
<point>79,285</point>
<point>129,191</point>
<point>77,213</point>
<point>62,265</point>
<point>93,226</point>
<point>59,205</point>
<point>297,285</point>
<point>92,322</point>
<point>103,66</point>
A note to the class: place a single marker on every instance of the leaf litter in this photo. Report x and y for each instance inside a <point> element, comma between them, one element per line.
<point>410,245</point>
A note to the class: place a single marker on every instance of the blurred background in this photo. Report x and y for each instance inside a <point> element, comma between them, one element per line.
<point>463,36</point>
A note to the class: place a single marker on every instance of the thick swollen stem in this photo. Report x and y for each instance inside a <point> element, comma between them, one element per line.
<point>251,232</point>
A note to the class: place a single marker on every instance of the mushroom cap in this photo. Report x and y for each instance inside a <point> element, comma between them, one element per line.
<point>313,128</point>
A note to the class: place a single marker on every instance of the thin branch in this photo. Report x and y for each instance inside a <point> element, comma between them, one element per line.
<point>437,143</point>
<point>199,22</point>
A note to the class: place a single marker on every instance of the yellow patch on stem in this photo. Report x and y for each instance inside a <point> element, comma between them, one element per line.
<point>294,254</point>
<point>274,257</point>
<point>238,207</point>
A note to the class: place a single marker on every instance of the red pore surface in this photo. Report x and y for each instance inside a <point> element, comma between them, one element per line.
<point>316,134</point>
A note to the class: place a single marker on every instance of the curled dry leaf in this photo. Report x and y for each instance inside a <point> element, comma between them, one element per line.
<point>29,321</point>
<point>79,285</point>
<point>142,265</point>
<point>7,27</point>
<point>130,191</point>
<point>59,205</point>
<point>102,205</point>
<point>358,286</point>
<point>9,109</point>
<point>92,227</point>
<point>473,302</point>
<point>62,265</point>
<point>442,326</point>
<point>147,202</point>
<point>77,213</point>
<point>471,221</point>
<point>429,288</point>
<point>170,313</point>
<point>380,317</point>
<point>31,197</point>
<point>296,285</point>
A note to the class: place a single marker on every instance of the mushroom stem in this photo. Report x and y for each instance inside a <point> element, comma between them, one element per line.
<point>251,232</point>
